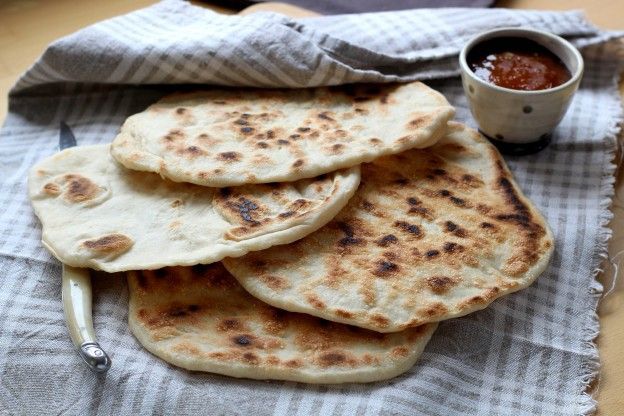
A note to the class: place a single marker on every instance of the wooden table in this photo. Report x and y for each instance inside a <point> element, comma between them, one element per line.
<point>26,27</point>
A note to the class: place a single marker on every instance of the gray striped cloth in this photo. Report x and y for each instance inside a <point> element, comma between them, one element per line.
<point>529,353</point>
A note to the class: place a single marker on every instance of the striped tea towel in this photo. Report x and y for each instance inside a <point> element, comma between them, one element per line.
<point>529,353</point>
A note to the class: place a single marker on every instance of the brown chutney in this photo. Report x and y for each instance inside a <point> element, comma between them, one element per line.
<point>517,63</point>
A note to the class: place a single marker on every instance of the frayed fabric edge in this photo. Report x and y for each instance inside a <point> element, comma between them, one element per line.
<point>591,369</point>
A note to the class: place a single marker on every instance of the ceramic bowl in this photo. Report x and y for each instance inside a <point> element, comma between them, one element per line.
<point>520,121</point>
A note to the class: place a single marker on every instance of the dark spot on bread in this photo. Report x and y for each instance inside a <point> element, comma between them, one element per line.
<point>286,214</point>
<point>294,136</point>
<point>386,240</point>
<point>437,309</point>
<point>251,358</point>
<point>343,314</point>
<point>303,129</point>
<point>451,226</point>
<point>51,189</point>
<point>385,268</point>
<point>294,363</point>
<point>444,192</point>
<point>375,140</point>
<point>439,172</point>
<point>247,130</point>
<point>283,142</point>
<point>245,208</point>
<point>79,188</point>
<point>181,110</point>
<point>432,253</point>
<point>174,135</point>
<point>413,201</point>
<point>368,206</point>
<point>229,156</point>
<point>418,122</point>
<point>349,238</point>
<point>440,284</point>
<point>486,225</point>
<point>512,198</point>
<point>176,203</point>
<point>194,150</point>
<point>177,312</point>
<point>380,320</point>
<point>325,116</point>
<point>315,301</point>
<point>258,263</point>
<point>522,220</point>
<point>297,163</point>
<point>450,247</point>
<point>263,145</point>
<point>407,227</point>
<point>109,244</point>
<point>274,282</point>
<point>329,359</point>
<point>270,134</point>
<point>337,147</point>
<point>242,340</point>
<point>422,211</point>
<point>458,201</point>
<point>229,324</point>
<point>241,122</point>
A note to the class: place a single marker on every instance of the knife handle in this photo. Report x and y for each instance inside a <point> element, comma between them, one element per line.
<point>76,292</point>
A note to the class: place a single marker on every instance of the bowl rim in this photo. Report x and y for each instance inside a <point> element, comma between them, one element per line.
<point>518,32</point>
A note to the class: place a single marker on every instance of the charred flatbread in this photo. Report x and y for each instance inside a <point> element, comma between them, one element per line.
<point>201,319</point>
<point>224,137</point>
<point>430,234</point>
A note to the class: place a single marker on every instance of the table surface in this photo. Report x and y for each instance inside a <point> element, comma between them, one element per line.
<point>27,26</point>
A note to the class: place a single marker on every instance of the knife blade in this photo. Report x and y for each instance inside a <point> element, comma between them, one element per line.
<point>77,297</point>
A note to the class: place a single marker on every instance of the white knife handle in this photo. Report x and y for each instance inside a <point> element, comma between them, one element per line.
<point>76,292</point>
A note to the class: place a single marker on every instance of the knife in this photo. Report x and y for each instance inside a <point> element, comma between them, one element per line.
<point>76,294</point>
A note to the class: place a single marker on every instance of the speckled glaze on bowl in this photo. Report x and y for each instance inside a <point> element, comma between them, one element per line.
<point>515,119</point>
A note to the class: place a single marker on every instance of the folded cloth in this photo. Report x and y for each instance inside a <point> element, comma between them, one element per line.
<point>362,6</point>
<point>531,352</point>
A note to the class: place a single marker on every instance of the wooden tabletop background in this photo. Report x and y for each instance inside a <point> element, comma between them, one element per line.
<point>27,26</point>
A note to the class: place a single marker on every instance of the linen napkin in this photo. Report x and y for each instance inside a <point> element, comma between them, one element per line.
<point>529,353</point>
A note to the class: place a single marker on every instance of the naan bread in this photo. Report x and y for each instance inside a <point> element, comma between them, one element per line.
<point>95,213</point>
<point>225,137</point>
<point>200,318</point>
<point>429,235</point>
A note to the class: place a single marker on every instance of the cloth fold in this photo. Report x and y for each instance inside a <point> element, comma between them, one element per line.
<point>528,353</point>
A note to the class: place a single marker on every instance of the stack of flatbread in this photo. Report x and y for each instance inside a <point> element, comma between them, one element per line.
<point>311,235</point>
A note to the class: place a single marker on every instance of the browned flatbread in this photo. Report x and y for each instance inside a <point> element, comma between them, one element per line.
<point>226,136</point>
<point>200,318</point>
<point>95,213</point>
<point>430,234</point>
